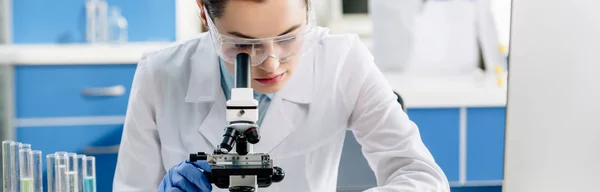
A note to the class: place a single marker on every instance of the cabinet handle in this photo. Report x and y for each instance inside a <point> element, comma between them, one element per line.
<point>114,149</point>
<point>117,90</point>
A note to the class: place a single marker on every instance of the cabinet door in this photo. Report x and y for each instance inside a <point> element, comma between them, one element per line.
<point>439,130</point>
<point>485,144</point>
<point>72,90</point>
<point>100,141</point>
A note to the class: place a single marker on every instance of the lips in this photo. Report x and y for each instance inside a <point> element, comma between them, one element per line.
<point>270,80</point>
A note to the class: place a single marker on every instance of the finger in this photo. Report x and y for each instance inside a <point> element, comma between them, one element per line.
<point>185,184</point>
<point>176,189</point>
<point>167,182</point>
<point>194,175</point>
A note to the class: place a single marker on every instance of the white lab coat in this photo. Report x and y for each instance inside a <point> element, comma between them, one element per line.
<point>393,35</point>
<point>452,36</point>
<point>177,107</point>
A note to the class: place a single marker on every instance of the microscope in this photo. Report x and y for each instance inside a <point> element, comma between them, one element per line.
<point>242,170</point>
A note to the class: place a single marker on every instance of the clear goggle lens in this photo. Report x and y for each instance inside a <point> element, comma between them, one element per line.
<point>282,48</point>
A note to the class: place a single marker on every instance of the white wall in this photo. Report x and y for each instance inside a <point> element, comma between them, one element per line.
<point>553,121</point>
<point>187,24</point>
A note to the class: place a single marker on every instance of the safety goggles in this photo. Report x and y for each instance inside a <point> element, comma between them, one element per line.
<point>282,48</point>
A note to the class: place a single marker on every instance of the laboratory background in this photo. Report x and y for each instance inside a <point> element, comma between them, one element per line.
<point>66,69</point>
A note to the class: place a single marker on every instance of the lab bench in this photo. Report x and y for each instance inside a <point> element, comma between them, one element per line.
<point>69,98</point>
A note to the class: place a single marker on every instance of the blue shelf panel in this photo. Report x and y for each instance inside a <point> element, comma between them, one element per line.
<point>485,143</point>
<point>439,130</point>
<point>65,21</point>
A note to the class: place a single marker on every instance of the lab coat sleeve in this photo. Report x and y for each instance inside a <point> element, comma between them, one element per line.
<point>390,141</point>
<point>139,165</point>
<point>487,35</point>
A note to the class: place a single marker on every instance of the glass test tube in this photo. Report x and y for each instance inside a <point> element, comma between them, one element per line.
<point>50,172</point>
<point>14,161</point>
<point>6,166</point>
<point>25,170</point>
<point>73,172</point>
<point>80,162</point>
<point>38,182</point>
<point>62,163</point>
<point>89,174</point>
<point>25,146</point>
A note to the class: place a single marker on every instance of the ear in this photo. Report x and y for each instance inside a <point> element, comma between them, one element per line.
<point>202,14</point>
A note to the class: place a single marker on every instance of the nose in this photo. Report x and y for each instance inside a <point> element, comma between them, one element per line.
<point>270,64</point>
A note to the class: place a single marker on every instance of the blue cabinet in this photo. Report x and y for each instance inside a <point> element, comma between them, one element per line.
<point>485,144</point>
<point>53,114</point>
<point>57,91</point>
<point>439,130</point>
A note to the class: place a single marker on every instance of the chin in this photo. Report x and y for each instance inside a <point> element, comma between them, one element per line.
<point>268,89</point>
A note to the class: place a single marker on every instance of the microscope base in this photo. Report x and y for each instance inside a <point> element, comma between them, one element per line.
<point>242,189</point>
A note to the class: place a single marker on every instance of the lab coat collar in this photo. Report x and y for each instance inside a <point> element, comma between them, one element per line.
<point>204,84</point>
<point>299,88</point>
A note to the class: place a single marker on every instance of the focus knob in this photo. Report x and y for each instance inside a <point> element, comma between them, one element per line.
<point>278,174</point>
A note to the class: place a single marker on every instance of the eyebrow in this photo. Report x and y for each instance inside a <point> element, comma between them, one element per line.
<point>235,33</point>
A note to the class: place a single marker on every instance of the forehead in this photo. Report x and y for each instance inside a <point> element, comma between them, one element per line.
<point>266,19</point>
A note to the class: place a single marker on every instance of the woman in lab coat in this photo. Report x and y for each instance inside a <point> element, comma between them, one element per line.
<point>316,86</point>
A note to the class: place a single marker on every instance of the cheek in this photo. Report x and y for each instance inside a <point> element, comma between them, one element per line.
<point>290,66</point>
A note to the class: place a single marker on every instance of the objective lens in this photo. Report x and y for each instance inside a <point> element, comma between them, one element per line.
<point>228,139</point>
<point>252,135</point>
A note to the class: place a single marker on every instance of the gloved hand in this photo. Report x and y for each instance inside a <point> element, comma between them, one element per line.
<point>187,176</point>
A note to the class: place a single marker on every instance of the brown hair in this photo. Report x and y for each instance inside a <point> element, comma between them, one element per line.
<point>216,8</point>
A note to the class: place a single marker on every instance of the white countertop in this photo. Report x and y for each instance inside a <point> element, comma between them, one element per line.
<point>476,90</point>
<point>418,91</point>
<point>64,54</point>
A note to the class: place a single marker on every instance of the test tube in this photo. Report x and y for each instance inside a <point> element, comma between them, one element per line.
<point>25,170</point>
<point>14,161</point>
<point>62,164</point>
<point>73,172</point>
<point>80,162</point>
<point>36,156</point>
<point>89,174</point>
<point>25,146</point>
<point>50,172</point>
<point>6,166</point>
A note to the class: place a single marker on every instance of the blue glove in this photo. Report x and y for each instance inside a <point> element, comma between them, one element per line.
<point>187,176</point>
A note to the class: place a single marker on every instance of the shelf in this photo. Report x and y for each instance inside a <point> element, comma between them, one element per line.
<point>65,54</point>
